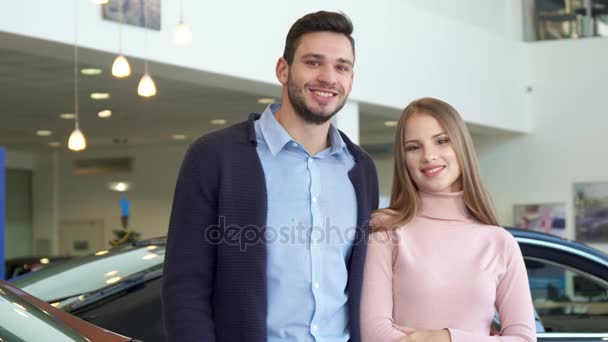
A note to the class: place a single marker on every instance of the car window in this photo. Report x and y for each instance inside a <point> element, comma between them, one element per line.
<point>566,300</point>
<point>78,277</point>
<point>124,313</point>
<point>22,321</point>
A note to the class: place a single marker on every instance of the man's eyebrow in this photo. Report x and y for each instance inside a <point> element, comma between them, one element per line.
<point>345,61</point>
<point>313,55</point>
<point>319,56</point>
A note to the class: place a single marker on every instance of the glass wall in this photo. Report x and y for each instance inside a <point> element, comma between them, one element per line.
<point>565,19</point>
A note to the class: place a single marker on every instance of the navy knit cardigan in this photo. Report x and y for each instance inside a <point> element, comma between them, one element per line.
<point>214,280</point>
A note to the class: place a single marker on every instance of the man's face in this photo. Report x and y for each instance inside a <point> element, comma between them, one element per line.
<point>320,78</point>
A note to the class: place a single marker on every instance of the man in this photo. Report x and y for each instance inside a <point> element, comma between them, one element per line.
<point>268,230</point>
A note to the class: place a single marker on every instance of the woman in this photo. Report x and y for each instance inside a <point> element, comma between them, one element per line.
<point>438,266</point>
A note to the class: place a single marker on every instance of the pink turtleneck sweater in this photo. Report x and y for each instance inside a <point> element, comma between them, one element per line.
<point>442,270</point>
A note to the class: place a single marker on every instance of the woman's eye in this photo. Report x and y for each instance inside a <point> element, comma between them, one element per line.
<point>411,148</point>
<point>441,141</point>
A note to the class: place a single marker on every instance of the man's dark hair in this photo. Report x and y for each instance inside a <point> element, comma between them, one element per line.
<point>317,22</point>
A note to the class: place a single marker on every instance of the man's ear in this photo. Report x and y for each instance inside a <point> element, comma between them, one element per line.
<point>282,70</point>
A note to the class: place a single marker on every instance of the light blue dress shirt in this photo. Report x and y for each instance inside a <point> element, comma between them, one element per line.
<point>311,220</point>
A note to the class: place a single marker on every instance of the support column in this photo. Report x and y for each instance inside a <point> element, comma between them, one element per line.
<point>347,120</point>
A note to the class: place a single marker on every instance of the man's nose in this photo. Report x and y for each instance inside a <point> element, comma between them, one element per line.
<point>327,75</point>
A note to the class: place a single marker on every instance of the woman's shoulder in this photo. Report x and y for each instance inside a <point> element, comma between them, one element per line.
<point>386,220</point>
<point>380,218</point>
<point>500,237</point>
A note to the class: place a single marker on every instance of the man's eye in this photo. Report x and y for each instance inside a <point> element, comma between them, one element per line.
<point>343,68</point>
<point>313,63</point>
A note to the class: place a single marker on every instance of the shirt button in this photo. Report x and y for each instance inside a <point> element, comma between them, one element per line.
<point>314,199</point>
<point>316,285</point>
<point>314,328</point>
<point>294,145</point>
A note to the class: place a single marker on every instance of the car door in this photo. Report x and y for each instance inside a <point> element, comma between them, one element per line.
<point>569,285</point>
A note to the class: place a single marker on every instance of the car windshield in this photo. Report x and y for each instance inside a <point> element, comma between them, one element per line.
<point>23,321</point>
<point>76,279</point>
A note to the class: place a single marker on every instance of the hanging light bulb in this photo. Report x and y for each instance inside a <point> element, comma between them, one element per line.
<point>146,87</point>
<point>121,67</point>
<point>182,34</point>
<point>77,142</point>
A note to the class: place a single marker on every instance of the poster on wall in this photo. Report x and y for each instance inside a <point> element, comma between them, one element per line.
<point>591,211</point>
<point>133,12</point>
<point>548,218</point>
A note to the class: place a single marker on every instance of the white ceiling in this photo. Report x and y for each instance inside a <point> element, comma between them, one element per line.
<point>37,84</point>
<point>35,89</point>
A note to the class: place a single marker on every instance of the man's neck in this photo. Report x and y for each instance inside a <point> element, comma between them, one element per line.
<point>314,138</point>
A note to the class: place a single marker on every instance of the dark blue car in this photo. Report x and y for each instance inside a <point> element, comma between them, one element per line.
<point>568,281</point>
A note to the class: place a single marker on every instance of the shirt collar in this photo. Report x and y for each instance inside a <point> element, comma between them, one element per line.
<point>276,137</point>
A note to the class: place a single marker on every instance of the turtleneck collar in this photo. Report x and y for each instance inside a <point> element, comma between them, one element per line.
<point>444,206</point>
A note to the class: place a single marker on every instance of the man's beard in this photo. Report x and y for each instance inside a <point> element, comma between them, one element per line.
<point>302,110</point>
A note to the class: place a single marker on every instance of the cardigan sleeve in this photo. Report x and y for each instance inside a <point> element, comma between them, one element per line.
<point>188,275</point>
<point>513,302</point>
<point>377,293</point>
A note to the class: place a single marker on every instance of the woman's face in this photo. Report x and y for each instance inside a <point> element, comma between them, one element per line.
<point>430,157</point>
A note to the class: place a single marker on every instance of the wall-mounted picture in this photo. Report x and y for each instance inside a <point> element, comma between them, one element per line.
<point>548,218</point>
<point>134,12</point>
<point>591,211</point>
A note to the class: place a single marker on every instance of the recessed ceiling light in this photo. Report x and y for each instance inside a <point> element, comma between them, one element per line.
<point>43,133</point>
<point>91,71</point>
<point>100,2</point>
<point>100,96</point>
<point>119,186</point>
<point>390,123</point>
<point>67,116</point>
<point>218,122</point>
<point>54,144</point>
<point>104,114</point>
<point>266,100</point>
<point>178,137</point>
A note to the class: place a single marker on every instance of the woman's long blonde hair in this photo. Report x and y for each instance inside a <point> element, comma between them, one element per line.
<point>405,203</point>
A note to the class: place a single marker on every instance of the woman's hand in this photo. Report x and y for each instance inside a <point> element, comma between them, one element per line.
<point>414,335</point>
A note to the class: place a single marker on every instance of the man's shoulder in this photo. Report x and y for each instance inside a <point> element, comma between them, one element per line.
<point>223,139</point>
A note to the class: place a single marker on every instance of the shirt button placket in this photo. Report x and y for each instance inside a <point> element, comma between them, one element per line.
<point>314,239</point>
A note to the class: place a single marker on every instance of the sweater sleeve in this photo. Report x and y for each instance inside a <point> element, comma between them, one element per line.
<point>377,293</point>
<point>190,254</point>
<point>513,302</point>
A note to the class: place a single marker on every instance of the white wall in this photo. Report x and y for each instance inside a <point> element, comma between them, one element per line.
<point>86,197</point>
<point>465,53</point>
<point>19,160</point>
<point>568,141</point>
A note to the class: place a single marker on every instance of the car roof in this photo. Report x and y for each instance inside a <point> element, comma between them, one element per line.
<point>552,239</point>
